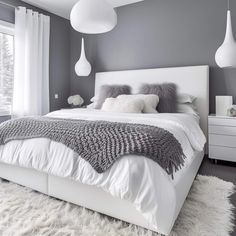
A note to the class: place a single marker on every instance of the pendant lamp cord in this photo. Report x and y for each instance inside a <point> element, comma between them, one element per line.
<point>228,5</point>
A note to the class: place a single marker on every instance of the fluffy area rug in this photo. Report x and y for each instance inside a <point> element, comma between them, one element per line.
<point>207,211</point>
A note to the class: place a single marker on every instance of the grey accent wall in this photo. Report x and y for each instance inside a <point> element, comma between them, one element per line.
<point>160,33</point>
<point>149,34</point>
<point>59,52</point>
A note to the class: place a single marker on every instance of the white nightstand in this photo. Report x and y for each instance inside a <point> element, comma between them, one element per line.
<point>222,137</point>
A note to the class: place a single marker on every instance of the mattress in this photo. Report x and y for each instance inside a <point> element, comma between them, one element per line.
<point>136,179</point>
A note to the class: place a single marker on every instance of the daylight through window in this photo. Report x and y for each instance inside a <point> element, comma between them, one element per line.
<point>6,71</point>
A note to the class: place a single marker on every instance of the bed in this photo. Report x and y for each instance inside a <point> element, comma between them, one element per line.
<point>104,196</point>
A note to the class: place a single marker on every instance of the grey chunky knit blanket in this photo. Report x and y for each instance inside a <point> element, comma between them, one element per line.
<point>100,143</point>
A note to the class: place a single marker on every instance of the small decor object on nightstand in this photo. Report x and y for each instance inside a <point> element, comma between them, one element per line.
<point>232,111</point>
<point>223,103</point>
<point>75,101</point>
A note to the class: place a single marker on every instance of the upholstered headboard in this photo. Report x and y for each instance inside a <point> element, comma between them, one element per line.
<point>193,80</point>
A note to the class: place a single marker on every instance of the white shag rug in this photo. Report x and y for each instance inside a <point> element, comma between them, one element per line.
<point>206,212</point>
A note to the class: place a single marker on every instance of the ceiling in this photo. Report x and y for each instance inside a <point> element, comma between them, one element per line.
<point>63,7</point>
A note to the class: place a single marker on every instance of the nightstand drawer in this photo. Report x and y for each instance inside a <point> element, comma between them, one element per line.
<point>225,121</point>
<point>222,153</point>
<point>225,130</point>
<point>222,140</point>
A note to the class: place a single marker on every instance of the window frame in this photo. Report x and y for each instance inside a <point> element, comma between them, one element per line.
<point>7,28</point>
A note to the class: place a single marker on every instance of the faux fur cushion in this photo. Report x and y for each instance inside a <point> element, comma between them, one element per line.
<point>150,101</point>
<point>110,91</point>
<point>167,93</point>
<point>123,105</point>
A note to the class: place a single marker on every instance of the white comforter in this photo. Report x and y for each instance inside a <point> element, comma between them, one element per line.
<point>134,178</point>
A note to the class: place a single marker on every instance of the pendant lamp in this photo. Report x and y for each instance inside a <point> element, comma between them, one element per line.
<point>83,67</point>
<point>226,54</point>
<point>93,16</point>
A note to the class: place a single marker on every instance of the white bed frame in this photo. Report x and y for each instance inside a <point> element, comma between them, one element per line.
<point>192,80</point>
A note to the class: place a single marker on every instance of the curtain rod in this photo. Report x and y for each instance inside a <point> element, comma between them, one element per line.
<point>8,5</point>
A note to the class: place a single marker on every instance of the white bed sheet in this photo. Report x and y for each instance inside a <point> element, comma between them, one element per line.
<point>133,178</point>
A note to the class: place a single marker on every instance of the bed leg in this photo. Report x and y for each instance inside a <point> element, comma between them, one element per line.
<point>215,161</point>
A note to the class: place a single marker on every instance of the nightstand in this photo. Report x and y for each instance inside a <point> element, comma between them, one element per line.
<point>222,138</point>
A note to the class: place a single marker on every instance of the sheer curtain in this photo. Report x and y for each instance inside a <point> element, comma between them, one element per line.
<point>31,79</point>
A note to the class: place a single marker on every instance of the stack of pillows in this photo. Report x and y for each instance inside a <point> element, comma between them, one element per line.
<point>152,98</point>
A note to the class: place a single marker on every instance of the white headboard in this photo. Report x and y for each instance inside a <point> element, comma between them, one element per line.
<point>193,80</point>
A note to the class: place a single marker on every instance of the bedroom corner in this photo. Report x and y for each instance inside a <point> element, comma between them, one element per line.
<point>117,117</point>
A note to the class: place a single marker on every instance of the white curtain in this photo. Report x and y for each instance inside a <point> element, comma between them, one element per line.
<point>31,79</point>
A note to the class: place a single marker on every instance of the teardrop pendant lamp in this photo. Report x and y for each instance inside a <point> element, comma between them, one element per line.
<point>226,54</point>
<point>83,67</point>
<point>93,16</point>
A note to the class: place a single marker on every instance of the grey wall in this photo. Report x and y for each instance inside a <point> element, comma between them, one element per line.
<point>160,33</point>
<point>149,34</point>
<point>59,53</point>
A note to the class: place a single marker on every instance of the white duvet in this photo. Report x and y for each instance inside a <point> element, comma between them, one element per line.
<point>134,178</point>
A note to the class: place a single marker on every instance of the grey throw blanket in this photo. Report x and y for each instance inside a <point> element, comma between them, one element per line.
<point>100,143</point>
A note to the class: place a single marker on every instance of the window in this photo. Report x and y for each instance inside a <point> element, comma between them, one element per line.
<point>6,67</point>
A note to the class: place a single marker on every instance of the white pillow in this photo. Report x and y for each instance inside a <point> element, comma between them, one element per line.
<point>93,99</point>
<point>150,101</point>
<point>187,108</point>
<point>91,106</point>
<point>123,105</point>
<point>185,98</point>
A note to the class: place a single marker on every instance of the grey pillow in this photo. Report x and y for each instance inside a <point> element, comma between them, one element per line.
<point>167,93</point>
<point>111,91</point>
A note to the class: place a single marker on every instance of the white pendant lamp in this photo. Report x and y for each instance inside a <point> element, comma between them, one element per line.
<point>93,16</point>
<point>226,54</point>
<point>83,67</point>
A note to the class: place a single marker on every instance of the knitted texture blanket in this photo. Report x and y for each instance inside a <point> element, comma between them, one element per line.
<point>100,143</point>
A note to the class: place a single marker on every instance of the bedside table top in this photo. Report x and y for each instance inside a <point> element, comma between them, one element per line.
<point>221,117</point>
